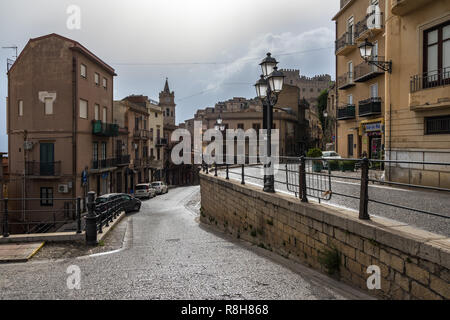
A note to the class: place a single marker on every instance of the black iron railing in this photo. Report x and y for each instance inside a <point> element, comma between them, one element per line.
<point>104,164</point>
<point>430,79</point>
<point>122,159</point>
<point>103,129</point>
<point>345,81</point>
<point>101,214</point>
<point>40,215</point>
<point>161,142</point>
<point>346,40</point>
<point>362,28</point>
<point>368,107</point>
<point>346,112</point>
<point>43,169</point>
<point>366,71</point>
<point>316,178</point>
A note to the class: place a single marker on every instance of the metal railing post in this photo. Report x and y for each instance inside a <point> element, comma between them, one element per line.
<point>215,169</point>
<point>108,213</point>
<point>242,175</point>
<point>302,180</point>
<point>91,221</point>
<point>364,194</point>
<point>78,209</point>
<point>228,168</point>
<point>5,220</point>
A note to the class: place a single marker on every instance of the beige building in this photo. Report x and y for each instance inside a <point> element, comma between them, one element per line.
<point>418,90</point>
<point>360,86</point>
<point>59,123</point>
<point>241,113</point>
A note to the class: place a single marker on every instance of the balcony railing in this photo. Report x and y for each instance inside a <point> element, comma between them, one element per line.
<point>141,134</point>
<point>122,160</point>
<point>104,164</point>
<point>345,81</point>
<point>366,71</point>
<point>161,142</point>
<point>43,169</point>
<point>345,43</point>
<point>346,112</point>
<point>362,30</point>
<point>430,79</point>
<point>370,107</point>
<point>104,129</point>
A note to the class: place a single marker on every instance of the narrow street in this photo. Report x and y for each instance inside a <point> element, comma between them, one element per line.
<point>167,255</point>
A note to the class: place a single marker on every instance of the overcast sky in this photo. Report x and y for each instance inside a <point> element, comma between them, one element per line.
<point>209,49</point>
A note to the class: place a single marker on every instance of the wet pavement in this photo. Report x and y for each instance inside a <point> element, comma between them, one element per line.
<point>167,254</point>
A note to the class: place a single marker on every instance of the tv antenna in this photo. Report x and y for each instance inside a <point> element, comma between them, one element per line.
<point>12,47</point>
<point>10,62</point>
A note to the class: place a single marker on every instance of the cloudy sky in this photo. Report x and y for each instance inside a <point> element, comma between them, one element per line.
<point>209,49</point>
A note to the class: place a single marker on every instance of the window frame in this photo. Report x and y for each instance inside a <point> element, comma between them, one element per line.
<point>81,71</point>
<point>426,125</point>
<point>440,49</point>
<point>87,108</point>
<point>20,107</point>
<point>97,79</point>
<point>46,201</point>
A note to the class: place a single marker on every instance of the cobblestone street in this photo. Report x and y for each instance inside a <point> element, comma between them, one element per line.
<point>166,254</point>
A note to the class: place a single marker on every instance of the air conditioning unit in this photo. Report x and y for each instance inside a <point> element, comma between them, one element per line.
<point>63,188</point>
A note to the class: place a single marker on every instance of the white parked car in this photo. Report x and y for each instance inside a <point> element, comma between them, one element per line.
<point>144,190</point>
<point>160,187</point>
<point>330,155</point>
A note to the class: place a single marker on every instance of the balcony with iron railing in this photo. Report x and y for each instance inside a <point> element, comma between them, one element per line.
<point>43,169</point>
<point>161,142</point>
<point>362,30</point>
<point>430,90</point>
<point>123,160</point>
<point>346,112</point>
<point>366,71</point>
<point>345,44</point>
<point>403,7</point>
<point>104,129</point>
<point>99,164</point>
<point>345,81</point>
<point>370,107</point>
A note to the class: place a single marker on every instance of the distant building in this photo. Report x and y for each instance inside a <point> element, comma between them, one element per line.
<point>310,89</point>
<point>241,113</point>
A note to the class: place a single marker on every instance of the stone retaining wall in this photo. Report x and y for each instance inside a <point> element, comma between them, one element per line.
<point>414,264</point>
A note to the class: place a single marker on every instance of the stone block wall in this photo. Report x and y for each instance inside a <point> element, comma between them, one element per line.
<point>414,264</point>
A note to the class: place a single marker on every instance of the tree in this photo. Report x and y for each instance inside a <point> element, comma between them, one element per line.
<point>322,101</point>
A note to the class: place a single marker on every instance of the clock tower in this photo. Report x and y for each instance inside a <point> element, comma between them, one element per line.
<point>167,104</point>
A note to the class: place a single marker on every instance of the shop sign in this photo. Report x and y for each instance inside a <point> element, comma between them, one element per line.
<point>370,127</point>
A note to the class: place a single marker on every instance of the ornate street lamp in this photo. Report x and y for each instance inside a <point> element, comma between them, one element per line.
<point>268,87</point>
<point>366,49</point>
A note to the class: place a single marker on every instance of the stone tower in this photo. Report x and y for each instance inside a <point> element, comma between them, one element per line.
<point>167,104</point>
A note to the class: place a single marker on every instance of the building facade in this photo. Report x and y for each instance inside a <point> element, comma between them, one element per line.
<point>241,113</point>
<point>59,122</point>
<point>418,90</point>
<point>359,85</point>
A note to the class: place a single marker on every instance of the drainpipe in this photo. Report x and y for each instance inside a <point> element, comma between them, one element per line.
<point>337,93</point>
<point>74,125</point>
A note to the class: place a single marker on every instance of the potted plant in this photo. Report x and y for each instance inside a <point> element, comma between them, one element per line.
<point>317,164</point>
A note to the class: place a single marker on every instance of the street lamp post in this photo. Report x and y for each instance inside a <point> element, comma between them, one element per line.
<point>219,126</point>
<point>366,51</point>
<point>268,88</point>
